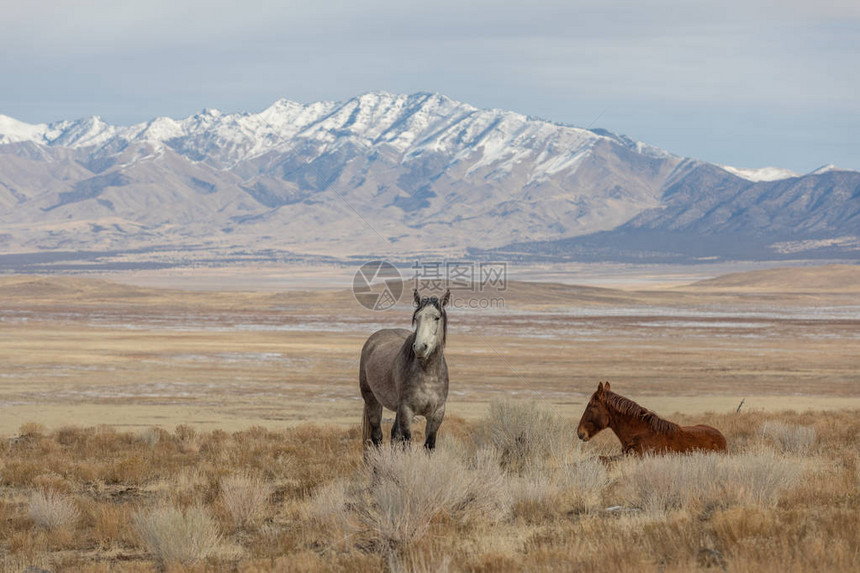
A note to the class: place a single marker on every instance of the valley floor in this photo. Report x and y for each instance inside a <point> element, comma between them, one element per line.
<point>230,420</point>
<point>85,352</point>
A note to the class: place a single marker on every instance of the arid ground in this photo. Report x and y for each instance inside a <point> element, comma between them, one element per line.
<point>128,411</point>
<point>76,351</point>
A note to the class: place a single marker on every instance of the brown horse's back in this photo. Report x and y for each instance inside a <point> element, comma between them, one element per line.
<point>692,438</point>
<point>705,438</point>
<point>681,439</point>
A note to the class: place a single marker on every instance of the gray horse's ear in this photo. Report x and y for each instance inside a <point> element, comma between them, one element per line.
<point>446,298</point>
<point>416,297</point>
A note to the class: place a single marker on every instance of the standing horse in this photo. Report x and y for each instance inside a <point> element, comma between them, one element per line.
<point>642,431</point>
<point>405,371</point>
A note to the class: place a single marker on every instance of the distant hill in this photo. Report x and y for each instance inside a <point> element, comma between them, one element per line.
<point>828,278</point>
<point>706,215</point>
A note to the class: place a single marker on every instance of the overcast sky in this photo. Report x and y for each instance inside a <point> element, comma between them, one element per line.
<point>745,83</point>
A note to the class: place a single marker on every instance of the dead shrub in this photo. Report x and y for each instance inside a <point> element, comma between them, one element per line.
<point>175,536</point>
<point>660,483</point>
<point>190,486</point>
<point>245,497</point>
<point>789,438</point>
<point>409,490</point>
<point>523,433</point>
<point>130,470</point>
<point>31,430</point>
<point>53,482</point>
<point>107,523</point>
<point>69,435</point>
<point>52,510</point>
<point>187,439</point>
<point>151,436</point>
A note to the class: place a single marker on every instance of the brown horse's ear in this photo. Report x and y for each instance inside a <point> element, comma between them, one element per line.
<point>416,297</point>
<point>600,387</point>
<point>606,385</point>
<point>446,298</point>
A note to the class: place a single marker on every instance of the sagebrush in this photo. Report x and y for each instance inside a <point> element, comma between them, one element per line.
<point>512,492</point>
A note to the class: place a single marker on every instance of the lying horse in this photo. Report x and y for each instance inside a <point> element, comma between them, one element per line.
<point>405,371</point>
<point>642,431</point>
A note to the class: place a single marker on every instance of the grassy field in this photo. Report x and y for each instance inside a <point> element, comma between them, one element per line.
<point>514,491</point>
<point>147,429</point>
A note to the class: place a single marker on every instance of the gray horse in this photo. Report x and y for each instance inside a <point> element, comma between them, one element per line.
<point>405,371</point>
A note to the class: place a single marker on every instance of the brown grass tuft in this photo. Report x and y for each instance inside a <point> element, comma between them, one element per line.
<point>409,489</point>
<point>790,439</point>
<point>52,510</point>
<point>524,433</point>
<point>661,483</point>
<point>245,498</point>
<point>175,536</point>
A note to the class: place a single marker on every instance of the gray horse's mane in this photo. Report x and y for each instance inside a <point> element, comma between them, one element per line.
<point>627,407</point>
<point>438,304</point>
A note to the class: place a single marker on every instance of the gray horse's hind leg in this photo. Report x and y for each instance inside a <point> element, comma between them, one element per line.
<point>373,419</point>
<point>372,414</point>
<point>433,423</point>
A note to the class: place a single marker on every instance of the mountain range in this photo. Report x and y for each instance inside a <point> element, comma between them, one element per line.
<point>395,176</point>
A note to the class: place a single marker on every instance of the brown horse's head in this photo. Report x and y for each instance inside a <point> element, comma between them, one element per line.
<point>596,415</point>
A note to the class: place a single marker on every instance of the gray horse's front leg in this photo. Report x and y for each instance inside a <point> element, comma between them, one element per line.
<point>402,429</point>
<point>433,423</point>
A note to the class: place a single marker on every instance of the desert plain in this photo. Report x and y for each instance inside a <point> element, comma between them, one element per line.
<point>78,351</point>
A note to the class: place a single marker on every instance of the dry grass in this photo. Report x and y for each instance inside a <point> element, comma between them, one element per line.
<point>789,438</point>
<point>303,500</point>
<point>52,510</point>
<point>524,433</point>
<point>175,536</point>
<point>245,497</point>
<point>409,490</point>
<point>662,483</point>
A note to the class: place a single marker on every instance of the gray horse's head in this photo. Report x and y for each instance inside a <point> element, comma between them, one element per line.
<point>431,324</point>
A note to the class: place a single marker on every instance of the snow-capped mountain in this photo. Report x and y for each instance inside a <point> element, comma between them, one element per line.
<point>384,174</point>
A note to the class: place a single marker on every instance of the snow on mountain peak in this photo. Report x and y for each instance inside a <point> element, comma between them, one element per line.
<point>762,174</point>
<point>14,131</point>
<point>85,132</point>
<point>825,169</point>
<point>410,125</point>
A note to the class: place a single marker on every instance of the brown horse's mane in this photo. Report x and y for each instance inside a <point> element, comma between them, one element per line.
<point>628,407</point>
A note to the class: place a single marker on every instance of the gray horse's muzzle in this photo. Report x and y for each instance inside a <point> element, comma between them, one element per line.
<point>420,350</point>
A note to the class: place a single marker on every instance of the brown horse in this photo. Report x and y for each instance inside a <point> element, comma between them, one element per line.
<point>640,430</point>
